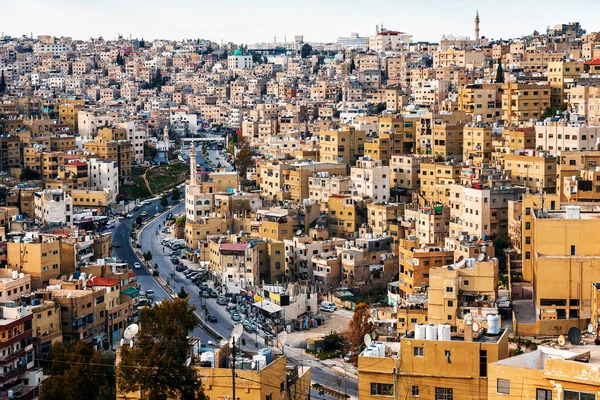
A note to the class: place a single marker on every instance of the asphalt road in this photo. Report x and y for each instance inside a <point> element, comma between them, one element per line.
<point>321,373</point>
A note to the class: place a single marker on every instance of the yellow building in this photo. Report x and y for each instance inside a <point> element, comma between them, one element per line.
<point>577,176</point>
<point>416,262</point>
<point>344,146</point>
<point>571,372</point>
<point>297,178</point>
<point>199,230</point>
<point>522,102</point>
<point>433,368</point>
<point>436,179</point>
<point>448,140</point>
<point>534,170</point>
<point>382,215</point>
<point>93,199</point>
<point>67,114</point>
<point>477,144</point>
<point>561,76</point>
<point>46,327</point>
<point>342,218</point>
<point>482,99</point>
<point>112,150</point>
<point>39,258</point>
<point>519,138</point>
<point>466,288</point>
<point>564,261</point>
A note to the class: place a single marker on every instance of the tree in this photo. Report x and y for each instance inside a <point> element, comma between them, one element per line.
<point>182,293</point>
<point>29,174</point>
<point>333,341</point>
<point>142,43</point>
<point>175,194</point>
<point>147,256</point>
<point>156,363</point>
<point>164,201</point>
<point>78,372</point>
<point>359,327</point>
<point>179,229</point>
<point>380,107</point>
<point>500,73</point>
<point>244,158</point>
<point>139,220</point>
<point>306,50</point>
<point>501,243</point>
<point>352,66</point>
<point>2,83</point>
<point>120,60</point>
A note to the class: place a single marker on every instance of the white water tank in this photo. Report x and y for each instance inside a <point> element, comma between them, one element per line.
<point>420,331</point>
<point>259,362</point>
<point>15,274</point>
<point>208,357</point>
<point>493,324</point>
<point>21,275</point>
<point>380,348</point>
<point>444,331</point>
<point>431,332</point>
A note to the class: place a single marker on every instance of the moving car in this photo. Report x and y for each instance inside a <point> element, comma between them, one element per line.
<point>222,301</point>
<point>211,318</point>
<point>137,265</point>
<point>116,244</point>
<point>130,215</point>
<point>236,317</point>
<point>144,213</point>
<point>150,293</point>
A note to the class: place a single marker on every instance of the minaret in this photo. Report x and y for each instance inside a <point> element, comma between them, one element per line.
<point>477,27</point>
<point>193,164</point>
<point>166,138</point>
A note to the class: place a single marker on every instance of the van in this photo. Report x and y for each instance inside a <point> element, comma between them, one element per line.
<point>327,306</point>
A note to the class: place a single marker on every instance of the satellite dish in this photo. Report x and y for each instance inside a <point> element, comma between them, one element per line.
<point>574,336</point>
<point>480,257</point>
<point>282,338</point>
<point>368,340</point>
<point>237,331</point>
<point>460,259</point>
<point>299,232</point>
<point>561,340</point>
<point>590,328</point>
<point>476,326</point>
<point>131,331</point>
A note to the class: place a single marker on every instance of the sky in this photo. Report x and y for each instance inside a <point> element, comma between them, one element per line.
<point>249,21</point>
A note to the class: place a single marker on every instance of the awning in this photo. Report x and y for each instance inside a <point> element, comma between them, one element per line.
<point>268,306</point>
<point>131,292</point>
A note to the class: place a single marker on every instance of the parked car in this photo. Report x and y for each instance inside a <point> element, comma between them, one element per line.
<point>221,301</point>
<point>236,317</point>
<point>130,215</point>
<point>205,294</point>
<point>137,265</point>
<point>144,213</point>
<point>116,244</point>
<point>211,318</point>
<point>150,293</point>
<point>213,294</point>
<point>180,268</point>
<point>327,306</point>
<point>175,260</point>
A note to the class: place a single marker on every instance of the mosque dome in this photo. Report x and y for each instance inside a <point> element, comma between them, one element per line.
<point>238,52</point>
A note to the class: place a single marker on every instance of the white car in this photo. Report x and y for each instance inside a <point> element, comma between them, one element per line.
<point>137,265</point>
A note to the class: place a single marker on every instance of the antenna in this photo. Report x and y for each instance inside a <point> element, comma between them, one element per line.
<point>368,340</point>
<point>236,333</point>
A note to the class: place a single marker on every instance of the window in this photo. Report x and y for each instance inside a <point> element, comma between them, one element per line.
<point>449,289</point>
<point>527,225</point>
<point>503,386</point>
<point>382,389</point>
<point>572,249</point>
<point>444,394</point>
<point>572,395</point>
<point>418,352</point>
<point>528,255</point>
<point>450,303</point>
<point>482,363</point>
<point>543,394</point>
<point>415,391</point>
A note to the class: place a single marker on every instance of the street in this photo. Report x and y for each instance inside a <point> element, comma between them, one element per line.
<point>321,373</point>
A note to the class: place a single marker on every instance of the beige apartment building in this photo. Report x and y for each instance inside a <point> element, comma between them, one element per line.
<point>436,179</point>
<point>451,57</point>
<point>427,224</point>
<point>564,136</point>
<point>448,140</point>
<point>404,171</point>
<point>322,186</point>
<point>522,102</point>
<point>381,216</point>
<point>343,146</point>
<point>477,144</point>
<point>534,170</point>
<point>39,258</point>
<point>584,102</point>
<point>561,76</point>
<point>13,285</point>
<point>296,179</point>
<point>481,100</point>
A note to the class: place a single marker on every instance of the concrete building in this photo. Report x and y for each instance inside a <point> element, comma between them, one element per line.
<point>427,224</point>
<point>13,285</point>
<point>436,179</point>
<point>556,137</point>
<point>342,218</point>
<point>342,146</point>
<point>239,61</point>
<point>404,171</point>
<point>534,170</point>
<point>524,102</point>
<point>370,178</point>
<point>103,174</point>
<point>477,143</point>
<point>53,207</point>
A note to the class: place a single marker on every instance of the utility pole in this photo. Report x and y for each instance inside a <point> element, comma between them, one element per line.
<point>233,365</point>
<point>395,384</point>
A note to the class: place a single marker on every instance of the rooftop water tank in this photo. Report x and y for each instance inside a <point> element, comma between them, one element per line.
<point>493,324</point>
<point>268,353</point>
<point>431,332</point>
<point>420,331</point>
<point>444,331</point>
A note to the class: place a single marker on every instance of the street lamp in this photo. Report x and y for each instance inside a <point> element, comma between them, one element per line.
<point>236,333</point>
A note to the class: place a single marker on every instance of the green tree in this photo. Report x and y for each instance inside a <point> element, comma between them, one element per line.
<point>306,50</point>
<point>29,174</point>
<point>142,43</point>
<point>78,372</point>
<point>501,243</point>
<point>500,73</point>
<point>164,201</point>
<point>120,60</point>
<point>2,83</point>
<point>139,220</point>
<point>244,158</point>
<point>147,256</point>
<point>176,193</point>
<point>352,66</point>
<point>333,341</point>
<point>359,327</point>
<point>380,107</point>
<point>156,362</point>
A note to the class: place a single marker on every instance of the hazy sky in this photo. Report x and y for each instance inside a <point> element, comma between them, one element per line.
<point>246,21</point>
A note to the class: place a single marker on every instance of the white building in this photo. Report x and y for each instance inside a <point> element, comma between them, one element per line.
<point>239,61</point>
<point>103,175</point>
<point>137,137</point>
<point>371,178</point>
<point>53,207</point>
<point>385,40</point>
<point>197,203</point>
<point>88,124</point>
<point>181,116</point>
<point>561,136</point>
<point>353,42</point>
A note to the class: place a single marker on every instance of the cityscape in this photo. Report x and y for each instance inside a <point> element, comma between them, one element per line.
<point>372,216</point>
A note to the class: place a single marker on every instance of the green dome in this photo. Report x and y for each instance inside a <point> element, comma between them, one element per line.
<point>238,52</point>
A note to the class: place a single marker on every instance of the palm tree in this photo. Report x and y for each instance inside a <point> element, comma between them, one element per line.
<point>179,229</point>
